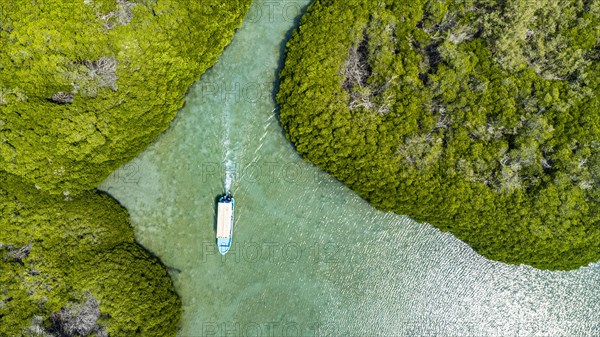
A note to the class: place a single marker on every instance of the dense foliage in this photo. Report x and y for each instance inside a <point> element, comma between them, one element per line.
<point>56,254</point>
<point>479,117</point>
<point>85,85</point>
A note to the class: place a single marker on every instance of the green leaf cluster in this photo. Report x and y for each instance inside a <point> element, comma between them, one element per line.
<point>86,85</point>
<point>77,247</point>
<point>479,117</point>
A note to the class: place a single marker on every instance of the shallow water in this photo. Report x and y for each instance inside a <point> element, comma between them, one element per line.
<point>309,257</point>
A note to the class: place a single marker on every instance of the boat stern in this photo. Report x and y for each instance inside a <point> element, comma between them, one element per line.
<point>223,244</point>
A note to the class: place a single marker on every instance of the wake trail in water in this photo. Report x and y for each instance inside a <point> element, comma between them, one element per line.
<point>229,154</point>
<point>235,151</point>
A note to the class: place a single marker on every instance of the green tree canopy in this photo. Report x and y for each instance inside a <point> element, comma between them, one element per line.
<point>479,117</point>
<point>56,254</point>
<point>86,85</point>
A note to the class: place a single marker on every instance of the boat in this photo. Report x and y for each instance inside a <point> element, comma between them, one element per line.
<point>225,222</point>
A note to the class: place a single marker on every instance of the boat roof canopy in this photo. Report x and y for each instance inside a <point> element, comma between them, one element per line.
<point>224,219</point>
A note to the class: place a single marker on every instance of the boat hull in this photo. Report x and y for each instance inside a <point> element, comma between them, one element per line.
<point>225,218</point>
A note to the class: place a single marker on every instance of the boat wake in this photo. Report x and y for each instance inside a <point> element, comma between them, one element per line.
<point>229,160</point>
<point>229,172</point>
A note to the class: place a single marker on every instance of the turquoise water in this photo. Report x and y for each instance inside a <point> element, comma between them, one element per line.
<point>309,257</point>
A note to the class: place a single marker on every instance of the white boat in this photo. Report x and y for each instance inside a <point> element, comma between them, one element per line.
<point>225,222</point>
